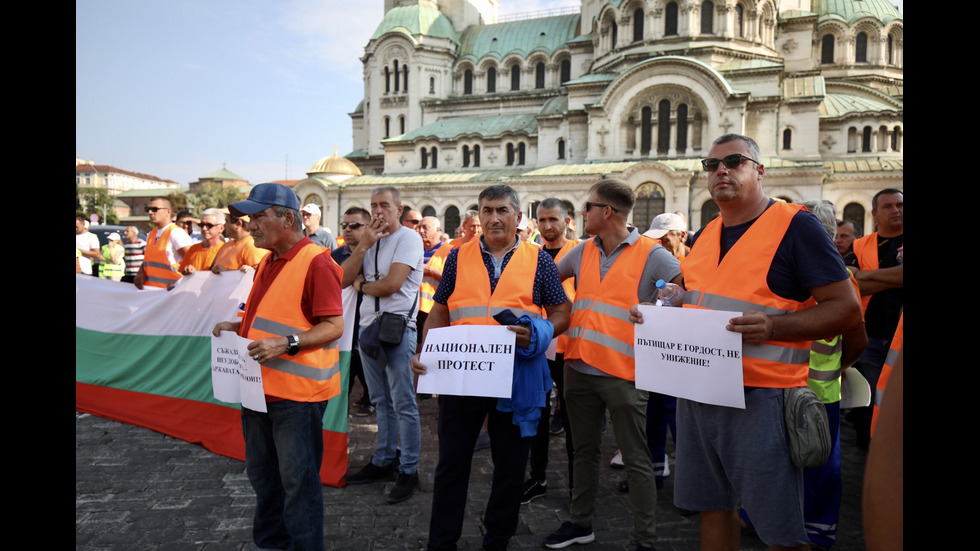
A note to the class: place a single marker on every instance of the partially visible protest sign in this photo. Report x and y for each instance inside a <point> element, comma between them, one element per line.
<point>468,360</point>
<point>235,376</point>
<point>688,353</point>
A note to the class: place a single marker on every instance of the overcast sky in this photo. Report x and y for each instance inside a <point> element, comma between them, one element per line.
<point>180,88</point>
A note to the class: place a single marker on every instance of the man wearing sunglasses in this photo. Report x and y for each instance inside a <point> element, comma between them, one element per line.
<point>166,246</point>
<point>613,270</point>
<point>201,255</point>
<point>767,259</point>
<point>353,226</point>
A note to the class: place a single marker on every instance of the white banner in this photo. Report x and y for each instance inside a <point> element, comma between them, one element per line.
<point>468,360</point>
<point>688,353</point>
<point>235,376</point>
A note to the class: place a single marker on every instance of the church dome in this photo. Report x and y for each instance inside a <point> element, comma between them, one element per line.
<point>414,20</point>
<point>850,11</point>
<point>334,165</point>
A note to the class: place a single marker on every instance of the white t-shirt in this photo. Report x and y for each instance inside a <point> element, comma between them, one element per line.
<point>178,240</point>
<point>85,242</point>
<point>404,247</point>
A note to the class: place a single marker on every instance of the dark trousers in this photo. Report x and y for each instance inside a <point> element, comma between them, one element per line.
<point>357,371</point>
<point>460,420</point>
<point>540,441</point>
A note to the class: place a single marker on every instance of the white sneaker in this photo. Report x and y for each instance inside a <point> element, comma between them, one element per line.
<point>617,461</point>
<point>666,466</point>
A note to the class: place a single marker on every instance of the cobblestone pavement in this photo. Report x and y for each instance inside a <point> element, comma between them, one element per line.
<point>138,489</point>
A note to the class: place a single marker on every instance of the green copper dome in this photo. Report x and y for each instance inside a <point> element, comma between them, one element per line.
<point>416,20</point>
<point>850,11</point>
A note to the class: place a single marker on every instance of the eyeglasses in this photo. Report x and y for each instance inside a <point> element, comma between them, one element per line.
<point>413,222</point>
<point>732,162</point>
<point>208,225</point>
<point>351,225</point>
<point>590,204</point>
<point>154,209</point>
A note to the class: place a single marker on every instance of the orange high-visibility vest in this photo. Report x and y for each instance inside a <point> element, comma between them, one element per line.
<point>738,284</point>
<point>866,252</point>
<point>600,333</point>
<point>886,370</point>
<point>157,268</point>
<point>427,289</point>
<point>569,285</point>
<point>313,375</point>
<point>202,259</point>
<point>472,303</point>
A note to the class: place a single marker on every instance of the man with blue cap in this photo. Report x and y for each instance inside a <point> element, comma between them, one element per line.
<point>294,316</point>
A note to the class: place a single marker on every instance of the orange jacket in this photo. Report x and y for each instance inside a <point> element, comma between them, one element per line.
<point>738,283</point>
<point>202,259</point>
<point>600,333</point>
<point>472,303</point>
<point>313,375</point>
<point>427,289</point>
<point>866,252</point>
<point>569,285</point>
<point>157,268</point>
<point>886,370</point>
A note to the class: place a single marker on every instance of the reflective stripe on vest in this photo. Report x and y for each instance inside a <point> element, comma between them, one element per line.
<point>824,376</point>
<point>157,268</point>
<point>472,303</point>
<point>886,370</point>
<point>427,289</point>
<point>107,269</point>
<point>313,375</point>
<point>738,283</point>
<point>600,333</point>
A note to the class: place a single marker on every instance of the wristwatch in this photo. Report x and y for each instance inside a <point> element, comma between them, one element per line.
<point>293,347</point>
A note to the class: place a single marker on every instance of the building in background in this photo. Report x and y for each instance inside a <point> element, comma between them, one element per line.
<point>455,99</point>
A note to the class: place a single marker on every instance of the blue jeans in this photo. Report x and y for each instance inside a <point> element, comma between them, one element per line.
<point>393,397</point>
<point>283,452</point>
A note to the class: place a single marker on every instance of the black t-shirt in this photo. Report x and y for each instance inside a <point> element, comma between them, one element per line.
<point>884,308</point>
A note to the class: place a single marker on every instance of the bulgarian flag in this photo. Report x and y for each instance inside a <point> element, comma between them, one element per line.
<point>144,358</point>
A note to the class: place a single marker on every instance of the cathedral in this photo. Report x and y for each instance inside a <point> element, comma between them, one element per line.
<point>456,99</point>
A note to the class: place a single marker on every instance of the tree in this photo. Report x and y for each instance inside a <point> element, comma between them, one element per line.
<point>99,201</point>
<point>212,194</point>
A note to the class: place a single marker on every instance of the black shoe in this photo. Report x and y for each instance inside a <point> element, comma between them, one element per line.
<point>371,473</point>
<point>569,533</point>
<point>533,489</point>
<point>635,546</point>
<point>404,488</point>
<point>556,427</point>
<point>364,410</point>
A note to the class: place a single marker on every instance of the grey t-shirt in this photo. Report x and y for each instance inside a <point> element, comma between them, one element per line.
<point>660,265</point>
<point>402,247</point>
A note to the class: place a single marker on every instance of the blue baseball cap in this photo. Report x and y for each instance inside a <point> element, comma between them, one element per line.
<point>264,196</point>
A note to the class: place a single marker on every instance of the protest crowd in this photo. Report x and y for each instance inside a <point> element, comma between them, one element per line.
<point>815,307</point>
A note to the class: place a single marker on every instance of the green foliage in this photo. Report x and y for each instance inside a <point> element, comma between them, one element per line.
<point>211,194</point>
<point>179,201</point>
<point>98,201</point>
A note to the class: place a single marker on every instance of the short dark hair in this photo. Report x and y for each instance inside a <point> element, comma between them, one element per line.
<point>358,211</point>
<point>858,232</point>
<point>81,218</point>
<point>396,195</point>
<point>183,214</point>
<point>501,191</point>
<point>886,191</point>
<point>616,193</point>
<point>753,147</point>
<point>162,198</point>
<point>554,203</point>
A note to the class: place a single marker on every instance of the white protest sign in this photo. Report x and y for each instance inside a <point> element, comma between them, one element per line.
<point>688,353</point>
<point>468,360</point>
<point>235,376</point>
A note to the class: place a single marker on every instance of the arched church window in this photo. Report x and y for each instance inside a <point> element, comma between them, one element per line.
<point>649,203</point>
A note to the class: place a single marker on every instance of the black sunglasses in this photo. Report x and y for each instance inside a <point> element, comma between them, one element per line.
<point>207,226</point>
<point>732,162</point>
<point>590,204</point>
<point>153,209</point>
<point>351,225</point>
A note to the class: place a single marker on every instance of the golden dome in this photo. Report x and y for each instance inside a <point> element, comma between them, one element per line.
<point>334,164</point>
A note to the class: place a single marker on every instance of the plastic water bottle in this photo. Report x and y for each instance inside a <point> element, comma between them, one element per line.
<point>669,294</point>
